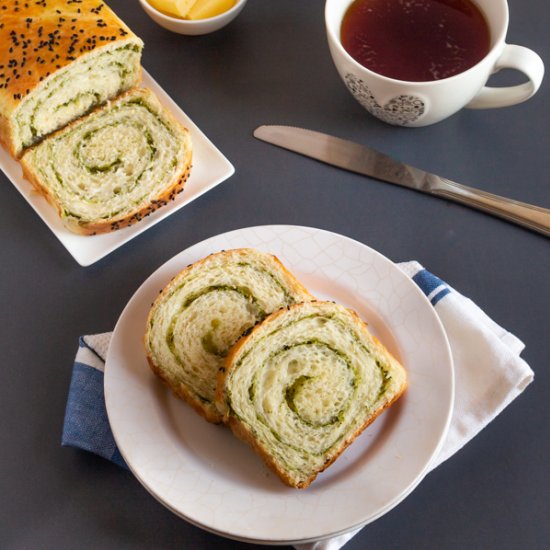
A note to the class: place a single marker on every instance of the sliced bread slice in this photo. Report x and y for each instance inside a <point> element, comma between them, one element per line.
<point>304,384</point>
<point>113,167</point>
<point>204,310</point>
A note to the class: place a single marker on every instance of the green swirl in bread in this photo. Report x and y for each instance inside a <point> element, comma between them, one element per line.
<point>304,384</point>
<point>76,90</point>
<point>114,166</point>
<point>204,310</point>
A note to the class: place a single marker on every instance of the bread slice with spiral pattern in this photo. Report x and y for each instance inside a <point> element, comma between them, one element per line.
<point>304,384</point>
<point>113,167</point>
<point>204,310</point>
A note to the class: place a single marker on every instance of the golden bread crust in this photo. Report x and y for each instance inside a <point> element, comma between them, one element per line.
<point>5,135</point>
<point>40,38</point>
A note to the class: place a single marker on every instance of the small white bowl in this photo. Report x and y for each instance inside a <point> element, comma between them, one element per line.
<point>197,26</point>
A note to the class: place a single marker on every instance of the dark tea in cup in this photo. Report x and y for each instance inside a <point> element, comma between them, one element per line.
<point>416,40</point>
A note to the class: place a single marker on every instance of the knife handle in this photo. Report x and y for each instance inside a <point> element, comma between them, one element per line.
<point>526,215</point>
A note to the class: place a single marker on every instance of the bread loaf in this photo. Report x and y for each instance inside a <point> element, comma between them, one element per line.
<point>114,166</point>
<point>204,310</point>
<point>58,60</point>
<point>304,384</point>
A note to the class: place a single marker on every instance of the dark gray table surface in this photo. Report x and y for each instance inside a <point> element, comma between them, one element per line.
<point>272,65</point>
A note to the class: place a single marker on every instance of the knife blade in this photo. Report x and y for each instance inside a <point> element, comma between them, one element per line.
<point>363,160</point>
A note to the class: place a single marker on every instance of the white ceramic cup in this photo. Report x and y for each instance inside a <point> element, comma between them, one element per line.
<point>422,103</point>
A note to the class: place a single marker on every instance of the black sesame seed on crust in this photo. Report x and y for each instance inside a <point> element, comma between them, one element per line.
<point>43,34</point>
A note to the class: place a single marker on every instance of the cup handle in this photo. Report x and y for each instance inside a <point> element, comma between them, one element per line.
<point>512,57</point>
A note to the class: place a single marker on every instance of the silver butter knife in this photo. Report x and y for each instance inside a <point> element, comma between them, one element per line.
<point>364,160</point>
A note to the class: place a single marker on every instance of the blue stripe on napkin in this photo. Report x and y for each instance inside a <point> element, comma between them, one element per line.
<point>86,424</point>
<point>433,287</point>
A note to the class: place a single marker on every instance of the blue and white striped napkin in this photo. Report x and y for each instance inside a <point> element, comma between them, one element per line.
<point>86,425</point>
<point>489,375</point>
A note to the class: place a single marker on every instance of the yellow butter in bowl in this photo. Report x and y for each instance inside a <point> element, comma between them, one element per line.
<point>203,9</point>
<point>193,9</point>
<point>174,8</point>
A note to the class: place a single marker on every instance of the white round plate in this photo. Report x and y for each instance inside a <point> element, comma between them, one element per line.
<point>205,475</point>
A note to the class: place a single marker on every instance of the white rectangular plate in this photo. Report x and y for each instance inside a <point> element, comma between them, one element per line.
<point>210,168</point>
